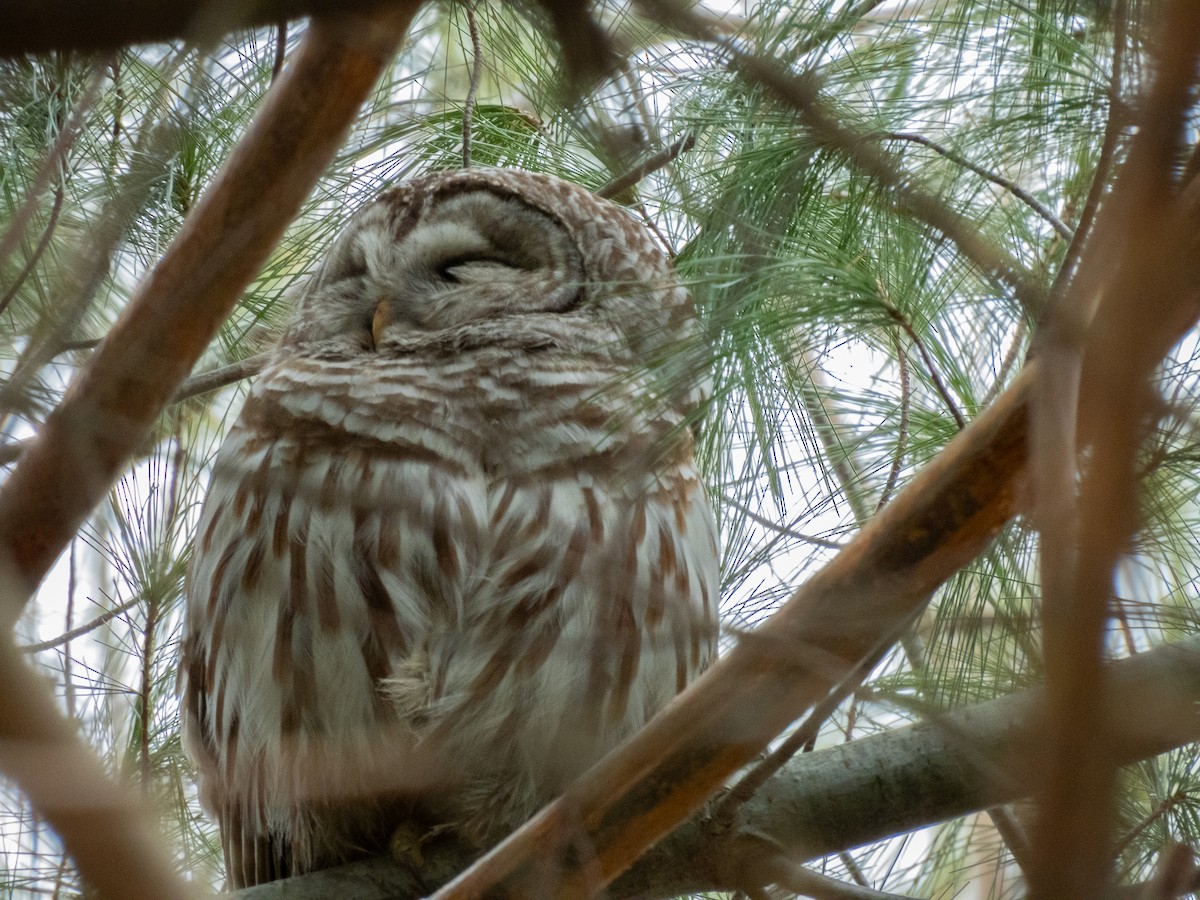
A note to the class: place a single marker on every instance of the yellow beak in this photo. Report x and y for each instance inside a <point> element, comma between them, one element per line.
<point>380,321</point>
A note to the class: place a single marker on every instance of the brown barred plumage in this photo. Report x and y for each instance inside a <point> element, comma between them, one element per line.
<point>455,548</point>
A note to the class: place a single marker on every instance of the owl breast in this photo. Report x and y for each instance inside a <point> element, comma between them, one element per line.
<point>503,560</point>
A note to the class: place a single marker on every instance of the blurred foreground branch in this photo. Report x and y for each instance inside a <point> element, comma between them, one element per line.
<point>38,26</point>
<point>1135,294</point>
<point>109,408</point>
<point>105,828</point>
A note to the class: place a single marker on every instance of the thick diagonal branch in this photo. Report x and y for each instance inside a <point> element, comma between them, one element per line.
<point>109,408</point>
<point>852,609</point>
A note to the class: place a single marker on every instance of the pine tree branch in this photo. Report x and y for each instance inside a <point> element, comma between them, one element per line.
<point>852,794</point>
<point>468,116</point>
<point>801,93</point>
<point>222,377</point>
<point>1007,183</point>
<point>664,157</point>
<point>36,256</point>
<point>79,631</point>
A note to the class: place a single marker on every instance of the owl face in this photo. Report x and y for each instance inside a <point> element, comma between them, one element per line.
<point>476,256</point>
<point>467,257</point>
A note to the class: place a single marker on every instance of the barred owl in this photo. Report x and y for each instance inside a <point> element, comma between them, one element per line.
<point>455,547</point>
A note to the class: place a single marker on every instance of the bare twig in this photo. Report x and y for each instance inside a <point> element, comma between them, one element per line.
<point>853,869</point>
<point>1008,184</point>
<point>1114,129</point>
<point>118,109</point>
<point>281,38</point>
<point>804,735</point>
<point>902,429</point>
<point>1013,835</point>
<point>662,158</point>
<point>828,429</point>
<point>71,346</point>
<point>930,368</point>
<point>468,119</point>
<point>145,699</point>
<point>43,243</point>
<point>68,636</point>
<point>72,587</point>
<point>222,377</point>
<point>783,530</point>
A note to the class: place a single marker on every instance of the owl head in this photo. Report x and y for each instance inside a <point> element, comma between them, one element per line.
<point>476,257</point>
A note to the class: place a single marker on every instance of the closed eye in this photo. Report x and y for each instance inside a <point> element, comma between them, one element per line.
<point>461,270</point>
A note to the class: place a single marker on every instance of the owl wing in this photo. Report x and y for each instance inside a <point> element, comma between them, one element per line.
<point>292,625</point>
